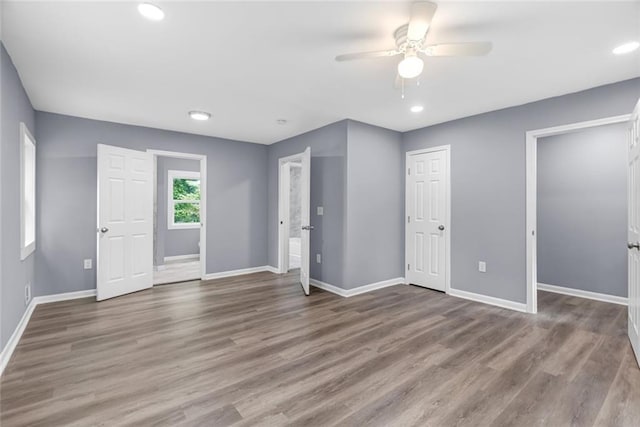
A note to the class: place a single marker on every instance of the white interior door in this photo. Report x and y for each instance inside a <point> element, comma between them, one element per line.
<point>427,217</point>
<point>125,221</point>
<point>305,218</point>
<point>634,231</point>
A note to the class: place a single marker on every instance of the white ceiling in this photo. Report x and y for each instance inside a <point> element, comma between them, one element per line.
<point>250,64</point>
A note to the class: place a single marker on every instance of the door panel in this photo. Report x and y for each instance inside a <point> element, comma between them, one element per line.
<point>305,219</point>
<point>427,211</point>
<point>125,221</point>
<point>634,231</point>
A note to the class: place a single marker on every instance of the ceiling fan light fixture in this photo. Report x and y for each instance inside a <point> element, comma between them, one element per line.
<point>626,48</point>
<point>199,115</point>
<point>417,109</point>
<point>411,66</point>
<point>151,11</point>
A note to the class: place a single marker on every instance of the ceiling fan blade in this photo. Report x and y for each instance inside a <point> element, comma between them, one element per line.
<point>366,55</point>
<point>458,49</point>
<point>421,15</point>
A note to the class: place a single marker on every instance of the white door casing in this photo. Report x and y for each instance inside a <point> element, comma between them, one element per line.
<point>125,221</point>
<point>284,184</point>
<point>633,243</point>
<point>427,223</point>
<point>305,220</point>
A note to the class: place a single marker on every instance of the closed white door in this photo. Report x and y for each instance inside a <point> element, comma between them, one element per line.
<point>125,221</point>
<point>427,216</point>
<point>633,243</point>
<point>305,218</point>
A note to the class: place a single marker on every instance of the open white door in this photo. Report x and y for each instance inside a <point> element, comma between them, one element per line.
<point>305,219</point>
<point>634,231</point>
<point>125,221</point>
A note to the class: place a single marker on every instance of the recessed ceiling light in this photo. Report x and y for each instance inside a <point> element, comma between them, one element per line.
<point>281,121</point>
<point>417,108</point>
<point>199,115</point>
<point>626,48</point>
<point>151,11</point>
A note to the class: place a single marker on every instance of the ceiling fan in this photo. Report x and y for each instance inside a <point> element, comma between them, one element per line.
<point>411,42</point>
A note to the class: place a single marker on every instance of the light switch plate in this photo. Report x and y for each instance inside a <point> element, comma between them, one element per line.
<point>482,267</point>
<point>318,258</point>
<point>88,264</point>
<point>320,210</point>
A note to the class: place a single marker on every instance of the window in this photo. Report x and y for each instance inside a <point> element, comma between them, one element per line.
<point>27,192</point>
<point>183,199</point>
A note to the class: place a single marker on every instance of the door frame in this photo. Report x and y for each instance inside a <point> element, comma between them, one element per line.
<point>447,234</point>
<point>531,158</point>
<point>203,197</point>
<point>284,185</point>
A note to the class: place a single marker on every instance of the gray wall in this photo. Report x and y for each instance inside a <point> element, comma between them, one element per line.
<point>295,201</point>
<point>488,181</point>
<point>236,196</point>
<point>14,274</point>
<point>375,205</point>
<point>172,242</point>
<point>582,210</point>
<point>328,182</point>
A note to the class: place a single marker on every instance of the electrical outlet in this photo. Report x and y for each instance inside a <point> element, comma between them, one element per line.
<point>320,210</point>
<point>88,264</point>
<point>318,258</point>
<point>27,293</point>
<point>482,267</point>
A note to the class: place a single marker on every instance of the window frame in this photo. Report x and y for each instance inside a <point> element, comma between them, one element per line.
<point>25,136</point>
<point>177,174</point>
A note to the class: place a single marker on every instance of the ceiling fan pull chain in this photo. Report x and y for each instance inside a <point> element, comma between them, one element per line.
<point>402,88</point>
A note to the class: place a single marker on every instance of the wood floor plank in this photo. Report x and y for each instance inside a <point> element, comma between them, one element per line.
<point>253,350</point>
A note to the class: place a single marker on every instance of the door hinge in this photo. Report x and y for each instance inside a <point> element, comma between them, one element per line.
<point>408,171</point>
<point>409,218</point>
<point>408,267</point>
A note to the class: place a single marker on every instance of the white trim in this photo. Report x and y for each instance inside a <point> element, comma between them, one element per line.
<point>239,272</point>
<point>498,302</point>
<point>356,291</point>
<point>171,203</point>
<point>26,250</point>
<point>13,341</point>
<point>447,234</point>
<point>181,257</point>
<point>203,197</point>
<point>614,299</point>
<point>531,154</point>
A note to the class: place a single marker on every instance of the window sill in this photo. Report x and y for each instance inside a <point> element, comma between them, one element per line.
<point>184,226</point>
<point>25,252</point>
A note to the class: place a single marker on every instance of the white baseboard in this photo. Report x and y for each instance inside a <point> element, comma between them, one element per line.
<point>11,345</point>
<point>356,291</point>
<point>181,257</point>
<point>499,302</point>
<point>329,288</point>
<point>583,294</point>
<point>240,272</point>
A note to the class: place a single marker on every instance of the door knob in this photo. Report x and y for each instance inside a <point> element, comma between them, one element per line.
<point>104,229</point>
<point>441,228</point>
<point>634,245</point>
<point>308,227</point>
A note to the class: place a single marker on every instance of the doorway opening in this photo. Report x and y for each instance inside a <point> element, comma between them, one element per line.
<point>179,217</point>
<point>577,212</point>
<point>294,206</point>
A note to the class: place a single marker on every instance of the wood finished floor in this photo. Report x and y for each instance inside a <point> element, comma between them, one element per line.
<point>252,350</point>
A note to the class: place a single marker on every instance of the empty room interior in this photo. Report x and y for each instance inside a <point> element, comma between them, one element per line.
<point>400,213</point>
